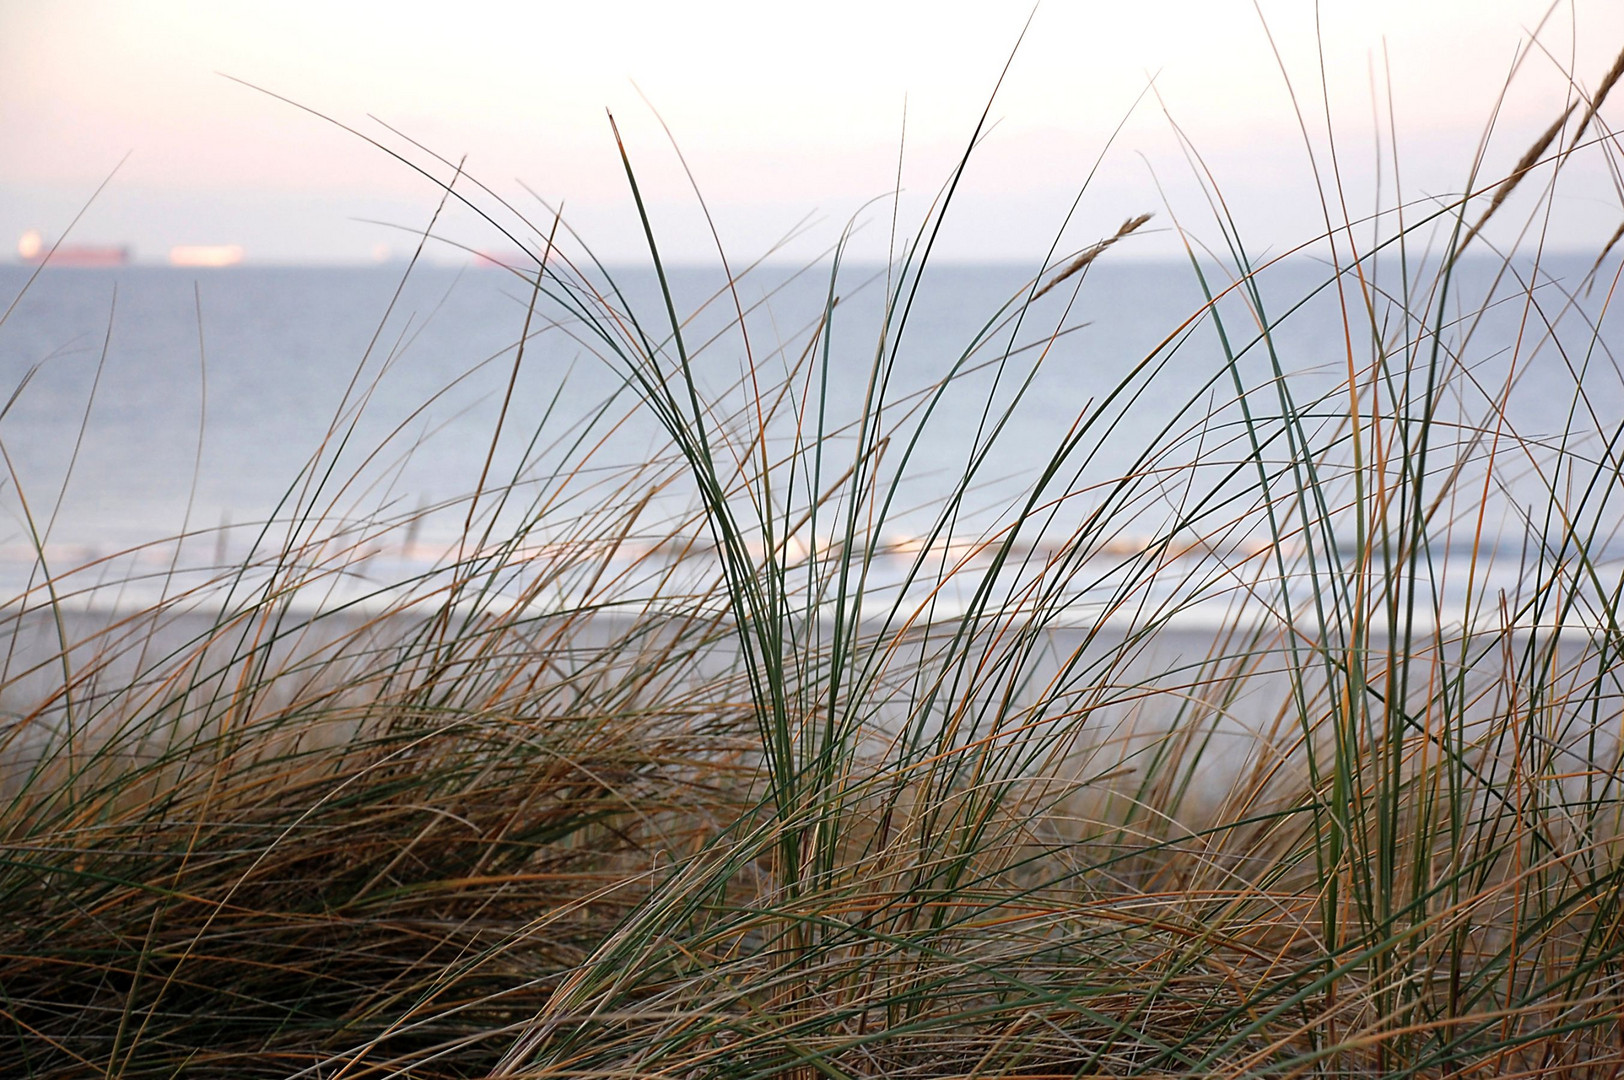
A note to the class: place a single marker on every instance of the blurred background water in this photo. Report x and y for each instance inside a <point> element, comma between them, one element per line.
<point>196,401</point>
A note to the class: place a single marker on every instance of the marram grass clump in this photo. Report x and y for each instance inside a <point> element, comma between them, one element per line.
<point>695,767</point>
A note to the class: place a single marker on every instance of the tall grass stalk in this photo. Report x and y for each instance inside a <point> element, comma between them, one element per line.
<point>705,765</point>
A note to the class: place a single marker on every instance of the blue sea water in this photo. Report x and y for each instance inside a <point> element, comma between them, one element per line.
<point>144,403</point>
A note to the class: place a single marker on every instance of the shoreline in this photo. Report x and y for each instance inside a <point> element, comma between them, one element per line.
<point>1105,689</point>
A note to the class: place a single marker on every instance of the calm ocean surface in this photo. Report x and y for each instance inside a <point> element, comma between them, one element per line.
<point>257,363</point>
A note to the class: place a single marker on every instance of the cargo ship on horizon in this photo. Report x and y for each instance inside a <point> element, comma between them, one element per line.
<point>33,250</point>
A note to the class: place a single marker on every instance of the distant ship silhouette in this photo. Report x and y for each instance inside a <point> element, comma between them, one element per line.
<point>33,250</point>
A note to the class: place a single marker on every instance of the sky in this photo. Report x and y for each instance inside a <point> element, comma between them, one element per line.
<point>795,119</point>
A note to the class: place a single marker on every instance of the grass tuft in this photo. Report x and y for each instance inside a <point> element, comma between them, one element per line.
<point>1273,730</point>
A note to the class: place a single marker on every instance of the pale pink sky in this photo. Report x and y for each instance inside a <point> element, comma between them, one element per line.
<point>782,109</point>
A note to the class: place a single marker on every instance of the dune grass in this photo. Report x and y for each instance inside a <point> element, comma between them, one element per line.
<point>760,788</point>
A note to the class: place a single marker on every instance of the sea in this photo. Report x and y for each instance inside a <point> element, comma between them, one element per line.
<point>161,426</point>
